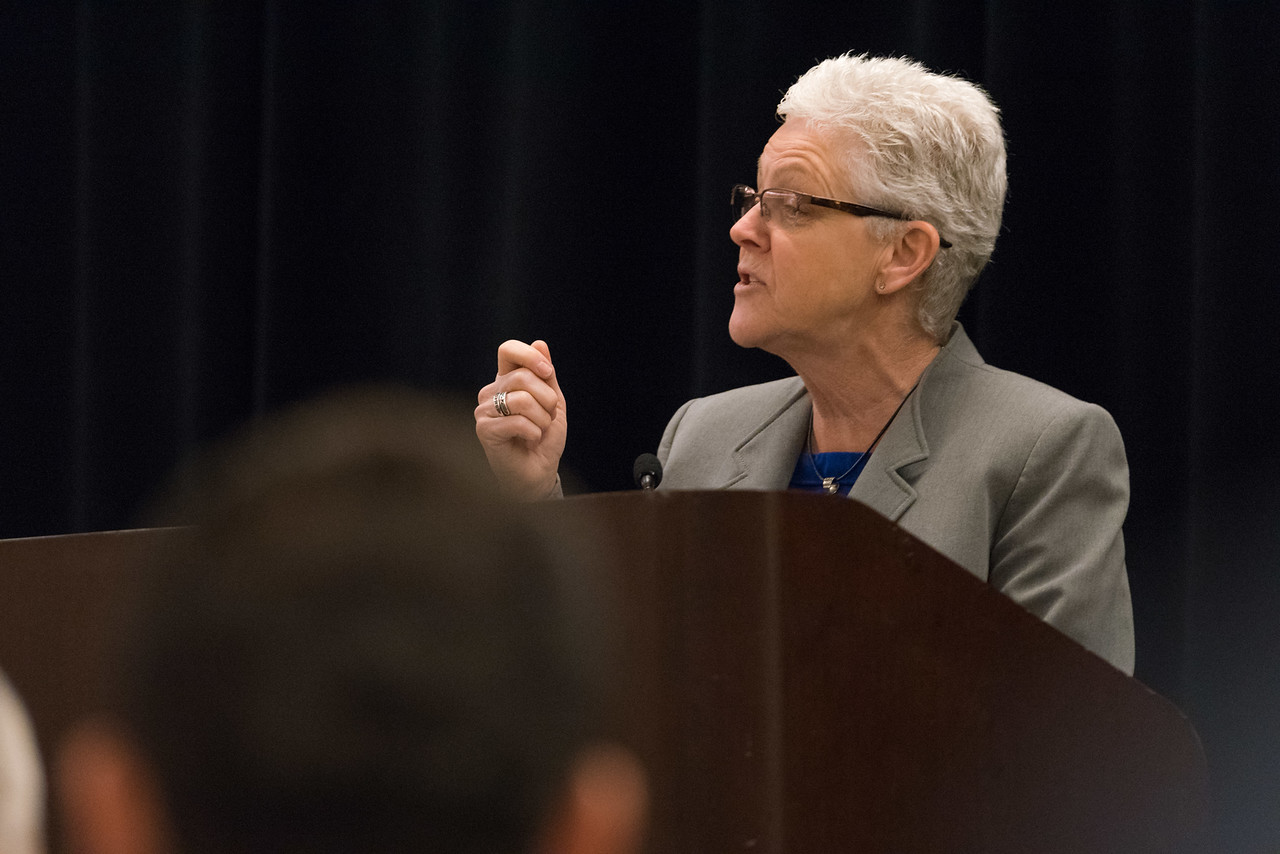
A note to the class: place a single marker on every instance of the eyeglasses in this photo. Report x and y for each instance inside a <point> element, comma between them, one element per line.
<point>790,207</point>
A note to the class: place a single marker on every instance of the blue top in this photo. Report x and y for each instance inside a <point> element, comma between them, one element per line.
<point>833,464</point>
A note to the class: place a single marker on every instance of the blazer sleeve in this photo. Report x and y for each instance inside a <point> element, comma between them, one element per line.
<point>1058,548</point>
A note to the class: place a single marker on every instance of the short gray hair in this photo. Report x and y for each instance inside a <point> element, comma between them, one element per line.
<point>929,145</point>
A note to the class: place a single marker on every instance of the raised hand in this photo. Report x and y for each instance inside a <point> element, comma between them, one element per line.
<point>524,443</point>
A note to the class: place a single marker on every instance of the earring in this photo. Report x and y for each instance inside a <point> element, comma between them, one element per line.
<point>880,286</point>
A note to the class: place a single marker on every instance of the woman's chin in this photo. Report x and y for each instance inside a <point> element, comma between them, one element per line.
<point>744,333</point>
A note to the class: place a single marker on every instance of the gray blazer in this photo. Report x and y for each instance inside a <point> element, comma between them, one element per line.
<point>1021,484</point>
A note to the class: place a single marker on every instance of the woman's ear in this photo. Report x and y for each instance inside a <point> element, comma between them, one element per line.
<point>110,800</point>
<point>909,255</point>
<point>604,809</point>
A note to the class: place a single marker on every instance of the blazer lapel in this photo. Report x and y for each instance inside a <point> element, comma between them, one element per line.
<point>767,454</point>
<point>880,486</point>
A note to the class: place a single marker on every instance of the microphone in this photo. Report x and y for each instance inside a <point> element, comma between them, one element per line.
<point>647,471</point>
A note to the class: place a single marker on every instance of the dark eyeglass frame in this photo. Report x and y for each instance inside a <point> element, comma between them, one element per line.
<point>743,198</point>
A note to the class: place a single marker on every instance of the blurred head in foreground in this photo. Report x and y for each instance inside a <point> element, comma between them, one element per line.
<point>353,646</point>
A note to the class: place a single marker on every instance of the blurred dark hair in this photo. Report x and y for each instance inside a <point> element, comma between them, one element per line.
<point>354,645</point>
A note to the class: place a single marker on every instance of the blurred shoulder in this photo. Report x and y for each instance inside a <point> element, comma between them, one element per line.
<point>22,788</point>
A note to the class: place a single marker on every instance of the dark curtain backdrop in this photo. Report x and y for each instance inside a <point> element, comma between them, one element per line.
<point>212,209</point>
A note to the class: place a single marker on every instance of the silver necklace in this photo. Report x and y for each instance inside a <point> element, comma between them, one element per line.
<point>831,485</point>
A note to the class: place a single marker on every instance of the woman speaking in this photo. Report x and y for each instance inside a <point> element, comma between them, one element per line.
<point>876,204</point>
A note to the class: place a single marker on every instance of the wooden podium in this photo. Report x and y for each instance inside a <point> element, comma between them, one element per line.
<point>798,675</point>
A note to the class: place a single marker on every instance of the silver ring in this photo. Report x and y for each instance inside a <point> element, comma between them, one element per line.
<point>500,403</point>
